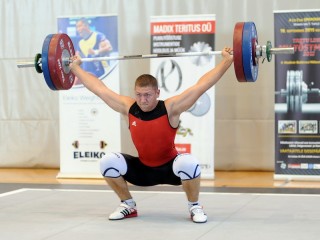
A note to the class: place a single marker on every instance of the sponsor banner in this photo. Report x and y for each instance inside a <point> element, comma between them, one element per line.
<point>88,128</point>
<point>297,94</point>
<point>179,34</point>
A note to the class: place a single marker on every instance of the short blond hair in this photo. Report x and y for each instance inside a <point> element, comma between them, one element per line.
<point>146,80</point>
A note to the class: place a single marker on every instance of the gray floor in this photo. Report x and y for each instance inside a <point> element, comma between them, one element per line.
<point>31,213</point>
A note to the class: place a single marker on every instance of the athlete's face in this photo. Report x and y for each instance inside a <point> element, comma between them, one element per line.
<point>147,97</point>
<point>82,29</point>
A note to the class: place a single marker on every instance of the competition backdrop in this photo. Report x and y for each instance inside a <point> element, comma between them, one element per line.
<point>193,33</point>
<point>88,128</point>
<point>297,95</point>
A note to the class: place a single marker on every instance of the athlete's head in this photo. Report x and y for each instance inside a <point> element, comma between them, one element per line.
<point>146,92</point>
<point>83,27</point>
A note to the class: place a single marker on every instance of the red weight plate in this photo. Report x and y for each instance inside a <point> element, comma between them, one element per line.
<point>60,50</point>
<point>237,52</point>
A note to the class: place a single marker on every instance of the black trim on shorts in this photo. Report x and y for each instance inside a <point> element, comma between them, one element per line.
<point>141,175</point>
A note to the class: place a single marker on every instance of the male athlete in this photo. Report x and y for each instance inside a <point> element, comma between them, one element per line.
<point>92,44</point>
<point>153,125</point>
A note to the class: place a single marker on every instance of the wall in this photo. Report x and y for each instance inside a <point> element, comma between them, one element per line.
<point>29,126</point>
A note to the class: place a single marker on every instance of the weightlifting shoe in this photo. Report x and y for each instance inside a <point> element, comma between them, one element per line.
<point>123,211</point>
<point>197,214</point>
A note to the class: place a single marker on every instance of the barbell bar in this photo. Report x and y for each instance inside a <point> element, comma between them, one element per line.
<point>29,63</point>
<point>58,49</point>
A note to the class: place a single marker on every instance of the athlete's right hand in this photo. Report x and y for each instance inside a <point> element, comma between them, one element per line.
<point>75,61</point>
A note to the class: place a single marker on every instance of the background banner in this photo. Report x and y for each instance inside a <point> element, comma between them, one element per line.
<point>297,95</point>
<point>88,128</point>
<point>187,34</point>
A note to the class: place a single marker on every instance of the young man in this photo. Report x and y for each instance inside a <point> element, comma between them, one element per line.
<point>92,44</point>
<point>153,124</point>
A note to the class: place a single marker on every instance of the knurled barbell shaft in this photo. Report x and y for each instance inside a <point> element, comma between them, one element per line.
<point>157,55</point>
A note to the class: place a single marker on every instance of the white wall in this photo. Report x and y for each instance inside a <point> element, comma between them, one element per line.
<point>29,130</point>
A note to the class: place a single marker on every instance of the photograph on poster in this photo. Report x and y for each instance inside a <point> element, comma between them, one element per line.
<point>92,37</point>
<point>287,126</point>
<point>308,127</point>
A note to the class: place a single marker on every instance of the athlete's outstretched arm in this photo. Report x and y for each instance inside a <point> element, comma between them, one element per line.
<point>182,102</point>
<point>114,100</point>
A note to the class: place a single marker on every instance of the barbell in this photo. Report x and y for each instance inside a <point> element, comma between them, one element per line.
<point>57,50</point>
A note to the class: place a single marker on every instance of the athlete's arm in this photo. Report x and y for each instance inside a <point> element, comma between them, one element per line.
<point>182,102</point>
<point>114,100</point>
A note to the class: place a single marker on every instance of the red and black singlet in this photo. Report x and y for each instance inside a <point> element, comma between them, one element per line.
<point>152,135</point>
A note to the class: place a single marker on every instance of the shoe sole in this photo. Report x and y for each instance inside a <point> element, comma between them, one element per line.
<point>128,216</point>
<point>198,222</point>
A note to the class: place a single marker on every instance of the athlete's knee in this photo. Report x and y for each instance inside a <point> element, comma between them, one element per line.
<point>186,166</point>
<point>113,165</point>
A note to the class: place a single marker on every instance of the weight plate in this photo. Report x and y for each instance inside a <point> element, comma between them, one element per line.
<point>249,69</point>
<point>60,51</point>
<point>237,52</point>
<point>44,62</point>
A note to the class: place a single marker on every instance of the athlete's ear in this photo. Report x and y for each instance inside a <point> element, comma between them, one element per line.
<point>158,92</point>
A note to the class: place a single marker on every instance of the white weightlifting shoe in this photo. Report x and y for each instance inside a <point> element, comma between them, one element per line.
<point>123,211</point>
<point>197,214</point>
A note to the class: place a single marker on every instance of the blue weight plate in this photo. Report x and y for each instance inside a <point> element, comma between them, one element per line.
<point>249,68</point>
<point>45,63</point>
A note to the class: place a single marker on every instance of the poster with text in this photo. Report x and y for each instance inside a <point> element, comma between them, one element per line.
<point>182,34</point>
<point>88,127</point>
<point>297,95</point>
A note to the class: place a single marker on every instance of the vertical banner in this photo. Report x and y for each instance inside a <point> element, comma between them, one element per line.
<point>88,128</point>
<point>297,95</point>
<point>176,34</point>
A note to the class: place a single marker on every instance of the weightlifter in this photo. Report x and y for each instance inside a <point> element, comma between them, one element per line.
<point>92,44</point>
<point>153,125</point>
